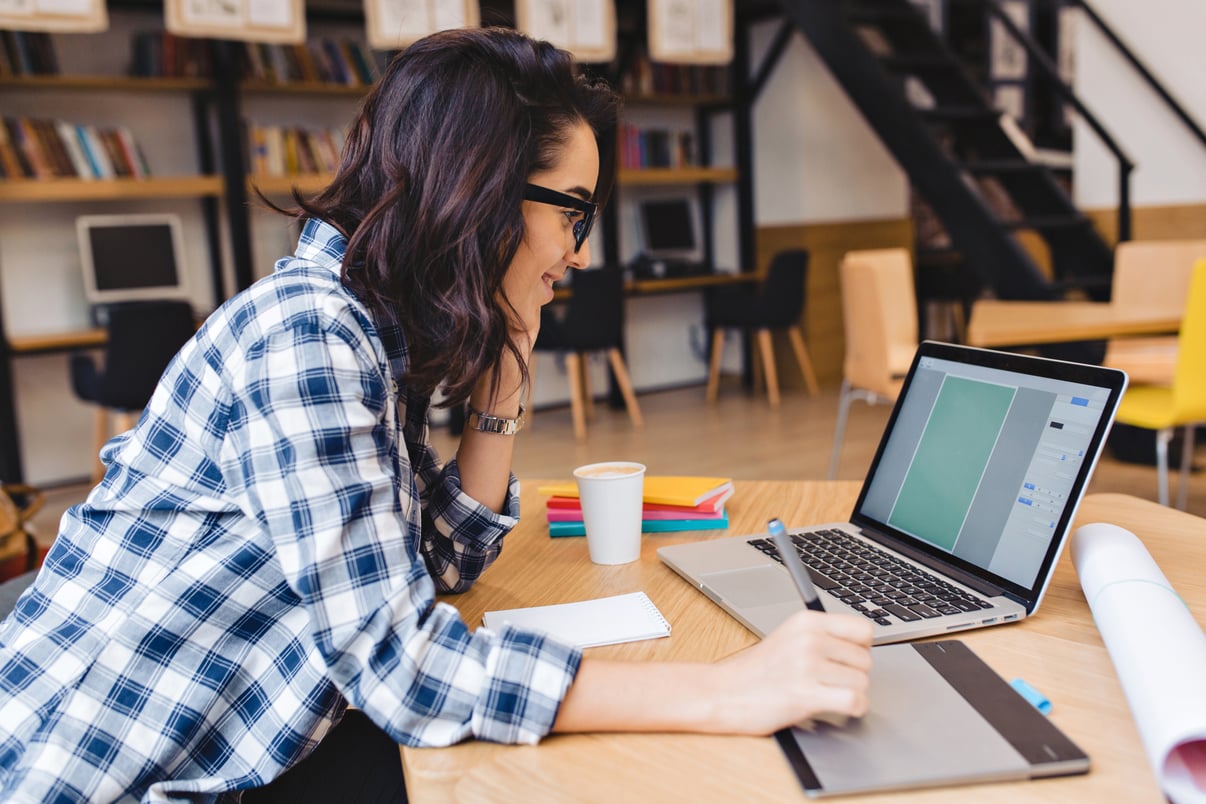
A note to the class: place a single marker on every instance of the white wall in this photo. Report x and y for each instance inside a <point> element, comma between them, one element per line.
<point>816,159</point>
<point>1171,165</point>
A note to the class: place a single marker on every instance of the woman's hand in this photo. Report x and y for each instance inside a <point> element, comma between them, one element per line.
<point>813,665</point>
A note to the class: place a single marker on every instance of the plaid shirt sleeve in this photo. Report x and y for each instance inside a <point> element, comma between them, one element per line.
<point>319,463</point>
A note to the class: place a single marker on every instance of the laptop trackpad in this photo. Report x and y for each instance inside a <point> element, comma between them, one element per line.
<point>754,586</point>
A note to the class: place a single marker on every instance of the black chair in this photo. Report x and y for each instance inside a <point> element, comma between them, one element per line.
<point>143,337</point>
<point>776,304</point>
<point>594,322</point>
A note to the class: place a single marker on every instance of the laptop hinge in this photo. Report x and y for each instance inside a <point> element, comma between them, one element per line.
<point>963,577</point>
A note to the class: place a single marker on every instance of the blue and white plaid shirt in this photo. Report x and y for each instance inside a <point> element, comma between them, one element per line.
<point>265,548</point>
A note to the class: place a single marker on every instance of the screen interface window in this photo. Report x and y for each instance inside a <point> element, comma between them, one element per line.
<point>981,463</point>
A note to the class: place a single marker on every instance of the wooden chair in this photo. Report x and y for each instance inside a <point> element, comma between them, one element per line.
<point>18,504</point>
<point>594,323</point>
<point>1164,408</point>
<point>879,317</point>
<point>1151,275</point>
<point>143,337</point>
<point>777,304</point>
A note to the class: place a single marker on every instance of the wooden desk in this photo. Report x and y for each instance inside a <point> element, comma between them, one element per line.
<point>678,284</point>
<point>1059,651</point>
<point>58,341</point>
<point>1018,323</point>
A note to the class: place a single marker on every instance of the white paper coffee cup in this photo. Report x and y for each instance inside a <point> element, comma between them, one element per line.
<point>611,495</point>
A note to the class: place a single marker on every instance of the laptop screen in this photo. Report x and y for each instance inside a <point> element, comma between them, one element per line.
<point>986,456</point>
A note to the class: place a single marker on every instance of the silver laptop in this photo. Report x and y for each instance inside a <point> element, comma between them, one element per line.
<point>964,510</point>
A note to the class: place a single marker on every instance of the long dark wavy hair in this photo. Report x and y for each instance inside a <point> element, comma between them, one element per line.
<point>430,187</point>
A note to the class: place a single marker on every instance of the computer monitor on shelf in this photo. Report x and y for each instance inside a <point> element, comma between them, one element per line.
<point>667,239</point>
<point>128,258</point>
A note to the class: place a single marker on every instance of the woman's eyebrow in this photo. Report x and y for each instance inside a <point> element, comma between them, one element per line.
<point>582,192</point>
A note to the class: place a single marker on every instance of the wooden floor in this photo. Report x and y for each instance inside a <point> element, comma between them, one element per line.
<point>740,437</point>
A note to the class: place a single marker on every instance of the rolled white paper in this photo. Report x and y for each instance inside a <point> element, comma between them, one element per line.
<point>1158,650</point>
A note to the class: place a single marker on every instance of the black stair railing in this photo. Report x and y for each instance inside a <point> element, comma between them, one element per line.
<point>1040,57</point>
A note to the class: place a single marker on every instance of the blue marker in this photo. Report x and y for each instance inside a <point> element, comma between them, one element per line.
<point>794,566</point>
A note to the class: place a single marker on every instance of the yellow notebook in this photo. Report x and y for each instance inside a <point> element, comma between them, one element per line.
<point>662,489</point>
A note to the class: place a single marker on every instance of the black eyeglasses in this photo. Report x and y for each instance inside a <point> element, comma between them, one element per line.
<point>543,195</point>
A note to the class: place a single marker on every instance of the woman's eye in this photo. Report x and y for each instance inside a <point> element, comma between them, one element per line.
<point>572,215</point>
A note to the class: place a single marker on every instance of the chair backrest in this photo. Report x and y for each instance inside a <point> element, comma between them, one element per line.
<point>595,319</point>
<point>783,291</point>
<point>1189,382</point>
<point>143,339</point>
<point>1153,275</point>
<point>879,313</point>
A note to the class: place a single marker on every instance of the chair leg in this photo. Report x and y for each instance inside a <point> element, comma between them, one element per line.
<point>839,430</point>
<point>797,345</point>
<point>768,366</point>
<point>714,365</point>
<point>588,397</point>
<point>100,434</point>
<point>1186,464</point>
<point>1162,439</point>
<point>622,379</point>
<point>527,415</point>
<point>573,367</point>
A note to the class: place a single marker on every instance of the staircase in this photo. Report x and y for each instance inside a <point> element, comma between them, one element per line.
<point>960,154</point>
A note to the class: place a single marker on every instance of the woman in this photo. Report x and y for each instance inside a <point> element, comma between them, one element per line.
<point>266,545</point>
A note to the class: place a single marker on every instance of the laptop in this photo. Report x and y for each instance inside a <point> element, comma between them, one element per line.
<point>963,512</point>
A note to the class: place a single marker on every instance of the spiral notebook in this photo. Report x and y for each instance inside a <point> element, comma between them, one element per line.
<point>589,623</point>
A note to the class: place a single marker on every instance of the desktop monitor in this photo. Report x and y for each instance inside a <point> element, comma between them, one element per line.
<point>668,229</point>
<point>131,257</point>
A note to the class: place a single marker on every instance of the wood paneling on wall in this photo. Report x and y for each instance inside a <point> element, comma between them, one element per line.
<point>827,243</point>
<point>1174,222</point>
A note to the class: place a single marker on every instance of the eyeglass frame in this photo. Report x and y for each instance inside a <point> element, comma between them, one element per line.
<point>543,195</point>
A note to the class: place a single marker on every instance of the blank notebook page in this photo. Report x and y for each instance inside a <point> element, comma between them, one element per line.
<point>588,623</point>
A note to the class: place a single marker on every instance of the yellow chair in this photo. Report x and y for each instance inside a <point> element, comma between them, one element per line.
<point>1151,276</point>
<point>879,317</point>
<point>1163,408</point>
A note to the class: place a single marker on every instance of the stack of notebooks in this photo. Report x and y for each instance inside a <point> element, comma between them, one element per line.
<point>671,504</point>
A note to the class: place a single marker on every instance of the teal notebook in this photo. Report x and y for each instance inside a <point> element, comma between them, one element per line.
<point>557,529</point>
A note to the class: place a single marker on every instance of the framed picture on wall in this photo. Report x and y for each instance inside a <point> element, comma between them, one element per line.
<point>586,28</point>
<point>68,16</point>
<point>393,24</point>
<point>281,21</point>
<point>691,31</point>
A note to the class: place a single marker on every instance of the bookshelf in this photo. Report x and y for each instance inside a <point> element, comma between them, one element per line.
<point>214,174</point>
<point>83,90</point>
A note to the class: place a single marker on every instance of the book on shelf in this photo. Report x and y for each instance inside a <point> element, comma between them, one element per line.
<point>645,77</point>
<point>291,150</point>
<point>643,147</point>
<point>25,53</point>
<point>37,148</point>
<point>160,54</point>
<point>322,61</point>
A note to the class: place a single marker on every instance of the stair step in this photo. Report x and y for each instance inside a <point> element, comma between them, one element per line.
<point>960,114</point>
<point>993,166</point>
<point>877,12</point>
<point>908,62</point>
<point>1047,222</point>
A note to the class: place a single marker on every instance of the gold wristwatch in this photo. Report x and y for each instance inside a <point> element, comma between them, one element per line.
<point>499,425</point>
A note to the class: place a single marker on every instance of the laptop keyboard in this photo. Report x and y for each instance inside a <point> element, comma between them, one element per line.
<point>873,582</point>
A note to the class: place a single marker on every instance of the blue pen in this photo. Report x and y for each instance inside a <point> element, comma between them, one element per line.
<point>795,567</point>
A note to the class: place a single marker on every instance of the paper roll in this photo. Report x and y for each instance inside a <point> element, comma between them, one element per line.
<point>1158,651</point>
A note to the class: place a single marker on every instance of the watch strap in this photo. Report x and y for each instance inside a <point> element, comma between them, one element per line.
<point>498,425</point>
